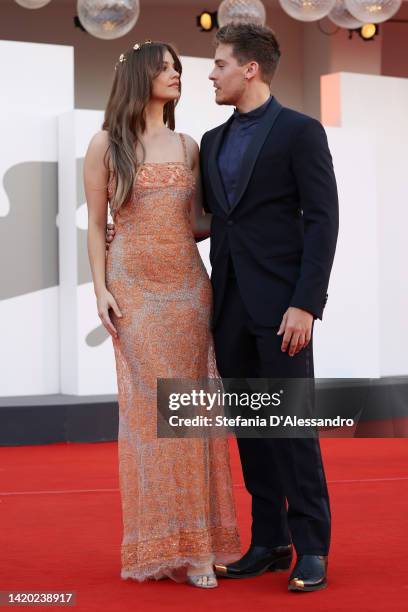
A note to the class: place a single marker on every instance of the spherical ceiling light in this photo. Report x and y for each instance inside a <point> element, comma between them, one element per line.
<point>373,11</point>
<point>32,4</point>
<point>342,17</point>
<point>108,19</point>
<point>307,10</point>
<point>207,21</point>
<point>241,11</point>
<point>369,31</point>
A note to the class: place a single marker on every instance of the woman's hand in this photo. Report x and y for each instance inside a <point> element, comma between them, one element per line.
<point>110,234</point>
<point>105,301</point>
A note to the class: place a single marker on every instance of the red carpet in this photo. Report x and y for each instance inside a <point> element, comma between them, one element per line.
<point>61,528</point>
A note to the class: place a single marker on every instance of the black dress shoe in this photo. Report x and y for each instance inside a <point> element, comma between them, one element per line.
<point>309,573</point>
<point>256,561</point>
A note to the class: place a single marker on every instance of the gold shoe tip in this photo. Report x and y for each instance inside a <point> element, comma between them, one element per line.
<point>297,583</point>
<point>221,568</point>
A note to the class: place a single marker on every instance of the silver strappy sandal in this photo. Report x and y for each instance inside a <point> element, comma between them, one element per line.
<point>194,581</point>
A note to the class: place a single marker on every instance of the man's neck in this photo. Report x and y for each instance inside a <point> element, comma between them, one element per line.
<point>252,100</point>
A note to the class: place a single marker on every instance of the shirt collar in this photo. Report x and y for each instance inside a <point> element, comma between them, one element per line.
<point>254,113</point>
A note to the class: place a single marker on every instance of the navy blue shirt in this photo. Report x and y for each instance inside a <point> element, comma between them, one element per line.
<point>234,145</point>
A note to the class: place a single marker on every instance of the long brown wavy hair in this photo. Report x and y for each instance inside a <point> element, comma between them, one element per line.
<point>125,118</point>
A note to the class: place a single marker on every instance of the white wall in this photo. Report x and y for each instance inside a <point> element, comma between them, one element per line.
<point>29,322</point>
<point>346,341</point>
<point>377,105</point>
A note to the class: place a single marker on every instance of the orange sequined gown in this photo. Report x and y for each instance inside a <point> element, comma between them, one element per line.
<point>176,494</point>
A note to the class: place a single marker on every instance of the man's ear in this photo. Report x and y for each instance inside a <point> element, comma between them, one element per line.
<point>252,70</point>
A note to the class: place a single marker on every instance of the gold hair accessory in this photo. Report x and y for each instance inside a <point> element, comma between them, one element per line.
<point>122,58</point>
<point>138,46</point>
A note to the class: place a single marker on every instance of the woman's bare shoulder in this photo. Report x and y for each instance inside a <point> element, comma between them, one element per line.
<point>100,141</point>
<point>98,148</point>
<point>191,142</point>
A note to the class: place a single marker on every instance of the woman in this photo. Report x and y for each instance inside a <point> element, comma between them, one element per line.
<point>177,502</point>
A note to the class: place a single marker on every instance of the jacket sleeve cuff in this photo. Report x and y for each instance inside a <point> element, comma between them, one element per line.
<point>315,309</point>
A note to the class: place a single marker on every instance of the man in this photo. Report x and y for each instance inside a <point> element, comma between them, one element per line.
<point>268,180</point>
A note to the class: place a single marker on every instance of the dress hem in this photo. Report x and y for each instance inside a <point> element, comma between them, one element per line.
<point>176,569</point>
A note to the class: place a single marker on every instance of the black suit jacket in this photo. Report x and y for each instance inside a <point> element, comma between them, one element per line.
<point>282,227</point>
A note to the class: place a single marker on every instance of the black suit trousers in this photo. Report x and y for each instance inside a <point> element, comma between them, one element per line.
<point>285,476</point>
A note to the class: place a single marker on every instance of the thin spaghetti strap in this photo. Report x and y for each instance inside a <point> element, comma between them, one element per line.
<point>183,142</point>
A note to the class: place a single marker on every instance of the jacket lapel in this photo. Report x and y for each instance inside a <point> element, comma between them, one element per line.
<point>213,170</point>
<point>253,150</point>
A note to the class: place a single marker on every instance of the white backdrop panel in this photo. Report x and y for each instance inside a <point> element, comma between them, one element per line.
<point>36,77</point>
<point>37,83</point>
<point>29,352</point>
<point>345,345</point>
<point>379,105</point>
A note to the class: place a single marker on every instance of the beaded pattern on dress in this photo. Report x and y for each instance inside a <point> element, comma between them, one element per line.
<point>176,494</point>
